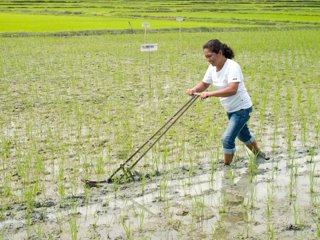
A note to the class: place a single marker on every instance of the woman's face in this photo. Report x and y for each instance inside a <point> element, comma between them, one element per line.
<point>212,57</point>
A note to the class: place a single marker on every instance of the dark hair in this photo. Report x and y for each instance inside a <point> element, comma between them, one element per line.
<point>215,46</point>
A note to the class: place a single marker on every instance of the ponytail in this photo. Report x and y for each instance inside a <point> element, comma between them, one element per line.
<point>227,51</point>
<point>215,46</point>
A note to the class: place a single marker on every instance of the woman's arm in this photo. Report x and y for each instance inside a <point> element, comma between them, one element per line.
<point>230,90</point>
<point>200,87</point>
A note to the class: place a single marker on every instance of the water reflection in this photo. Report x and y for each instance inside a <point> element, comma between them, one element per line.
<point>237,198</point>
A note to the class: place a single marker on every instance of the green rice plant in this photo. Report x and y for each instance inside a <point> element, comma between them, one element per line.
<point>94,225</point>
<point>291,183</point>
<point>6,190</point>
<point>141,220</point>
<point>223,199</point>
<point>213,167</point>
<point>3,211</point>
<point>317,131</point>
<point>311,177</point>
<point>274,138</point>
<point>40,232</point>
<point>318,223</point>
<point>128,234</point>
<point>116,183</point>
<point>100,165</point>
<point>72,220</point>
<point>274,169</point>
<point>197,210</point>
<point>61,182</point>
<point>252,198</point>
<point>295,214</point>
<point>252,167</point>
<point>304,126</point>
<point>155,160</point>
<point>289,136</point>
<point>5,152</point>
<point>163,189</point>
<point>28,223</point>
<point>270,228</point>
<point>311,155</point>
<point>231,176</point>
<point>143,183</point>
<point>190,167</point>
<point>270,231</point>
<point>29,197</point>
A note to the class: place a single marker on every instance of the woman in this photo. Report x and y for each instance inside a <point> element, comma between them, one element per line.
<point>225,74</point>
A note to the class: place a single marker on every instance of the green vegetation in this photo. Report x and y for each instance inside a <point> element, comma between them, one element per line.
<point>85,15</point>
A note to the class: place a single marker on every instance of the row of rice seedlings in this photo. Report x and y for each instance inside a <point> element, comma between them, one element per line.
<point>318,221</point>
<point>270,227</point>
<point>72,220</point>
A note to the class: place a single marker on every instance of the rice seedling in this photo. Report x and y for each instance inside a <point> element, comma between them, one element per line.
<point>197,210</point>
<point>163,189</point>
<point>231,176</point>
<point>311,177</point>
<point>141,220</point>
<point>61,182</point>
<point>252,167</point>
<point>295,214</point>
<point>128,234</point>
<point>318,223</point>
<point>223,200</point>
<point>292,182</point>
<point>143,183</point>
<point>251,199</point>
<point>40,232</point>
<point>72,220</point>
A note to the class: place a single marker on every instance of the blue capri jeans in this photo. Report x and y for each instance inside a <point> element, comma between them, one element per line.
<point>237,127</point>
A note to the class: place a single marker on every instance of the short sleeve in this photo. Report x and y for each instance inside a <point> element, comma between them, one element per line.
<point>235,74</point>
<point>208,76</point>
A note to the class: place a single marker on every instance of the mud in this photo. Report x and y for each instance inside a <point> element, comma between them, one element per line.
<point>189,202</point>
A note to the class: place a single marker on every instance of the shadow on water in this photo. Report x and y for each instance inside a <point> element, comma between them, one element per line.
<point>237,198</point>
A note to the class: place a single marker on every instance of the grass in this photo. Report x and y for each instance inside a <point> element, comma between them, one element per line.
<point>13,22</point>
<point>46,16</point>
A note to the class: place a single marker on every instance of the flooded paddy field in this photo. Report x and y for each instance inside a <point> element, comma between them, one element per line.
<point>74,108</point>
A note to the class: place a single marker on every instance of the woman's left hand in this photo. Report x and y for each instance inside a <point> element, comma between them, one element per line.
<point>204,95</point>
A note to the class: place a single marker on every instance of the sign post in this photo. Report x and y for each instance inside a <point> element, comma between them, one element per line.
<point>145,25</point>
<point>149,48</point>
<point>179,19</point>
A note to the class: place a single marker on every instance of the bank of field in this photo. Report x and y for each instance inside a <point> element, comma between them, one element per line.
<point>77,107</point>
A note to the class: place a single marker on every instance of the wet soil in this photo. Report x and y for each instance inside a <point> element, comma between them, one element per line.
<point>189,202</point>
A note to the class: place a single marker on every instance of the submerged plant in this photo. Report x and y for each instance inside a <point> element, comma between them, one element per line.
<point>163,189</point>
<point>141,220</point>
<point>252,166</point>
<point>73,222</point>
<point>311,177</point>
<point>127,229</point>
<point>198,206</point>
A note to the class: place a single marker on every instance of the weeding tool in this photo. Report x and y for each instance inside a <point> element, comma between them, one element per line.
<point>127,170</point>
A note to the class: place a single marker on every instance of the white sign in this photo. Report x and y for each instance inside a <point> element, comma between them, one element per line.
<point>148,47</point>
<point>179,19</point>
<point>146,25</point>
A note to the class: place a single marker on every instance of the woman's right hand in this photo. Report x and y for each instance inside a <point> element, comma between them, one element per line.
<point>191,91</point>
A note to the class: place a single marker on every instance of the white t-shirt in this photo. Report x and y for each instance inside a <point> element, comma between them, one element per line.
<point>230,72</point>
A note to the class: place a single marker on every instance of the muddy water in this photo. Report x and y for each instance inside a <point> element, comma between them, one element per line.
<point>188,202</point>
